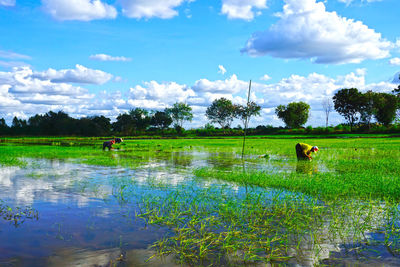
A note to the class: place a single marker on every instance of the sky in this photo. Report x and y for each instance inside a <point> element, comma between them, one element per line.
<point>105,57</point>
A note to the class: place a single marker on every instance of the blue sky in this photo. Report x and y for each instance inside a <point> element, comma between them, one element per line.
<point>98,57</point>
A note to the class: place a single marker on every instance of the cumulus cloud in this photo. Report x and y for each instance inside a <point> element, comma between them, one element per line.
<point>83,10</point>
<point>165,93</point>
<point>305,30</point>
<point>242,9</point>
<point>265,77</point>
<point>395,61</point>
<point>232,85</point>
<point>80,74</point>
<point>23,95</point>
<point>104,57</point>
<point>7,2</point>
<point>221,69</point>
<point>151,8</point>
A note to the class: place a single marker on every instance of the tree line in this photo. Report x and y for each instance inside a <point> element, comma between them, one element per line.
<point>356,107</point>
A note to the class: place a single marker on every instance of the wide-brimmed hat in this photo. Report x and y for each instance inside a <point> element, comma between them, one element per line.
<point>315,148</point>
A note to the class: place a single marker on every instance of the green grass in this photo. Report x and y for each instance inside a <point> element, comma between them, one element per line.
<point>350,189</point>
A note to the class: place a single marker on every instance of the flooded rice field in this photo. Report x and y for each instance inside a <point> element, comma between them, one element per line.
<point>163,212</point>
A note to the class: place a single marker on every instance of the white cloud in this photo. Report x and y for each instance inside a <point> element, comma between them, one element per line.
<point>80,74</point>
<point>395,61</point>
<point>13,55</point>
<point>7,2</point>
<point>104,57</point>
<point>305,30</point>
<point>221,69</point>
<point>242,9</point>
<point>348,2</point>
<point>165,93</point>
<point>25,94</point>
<point>265,77</point>
<point>151,8</point>
<point>84,10</point>
<point>231,85</point>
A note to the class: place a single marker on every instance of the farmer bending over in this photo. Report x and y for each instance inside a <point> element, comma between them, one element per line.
<point>111,142</point>
<point>303,151</point>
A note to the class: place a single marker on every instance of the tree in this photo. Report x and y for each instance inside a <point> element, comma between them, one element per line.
<point>140,119</point>
<point>180,112</point>
<point>123,124</point>
<point>327,107</point>
<point>348,103</point>
<point>385,108</point>
<point>161,120</point>
<point>367,108</point>
<point>221,111</point>
<point>396,92</point>
<point>244,113</point>
<point>3,127</point>
<point>294,115</point>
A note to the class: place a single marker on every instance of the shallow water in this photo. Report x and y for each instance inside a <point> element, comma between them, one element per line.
<point>86,214</point>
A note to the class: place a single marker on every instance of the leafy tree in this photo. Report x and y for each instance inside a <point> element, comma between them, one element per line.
<point>140,118</point>
<point>294,115</point>
<point>180,112</point>
<point>396,92</point>
<point>161,120</point>
<point>367,108</point>
<point>123,124</point>
<point>18,126</point>
<point>385,107</point>
<point>221,111</point>
<point>102,125</point>
<point>129,123</point>
<point>3,127</point>
<point>348,103</point>
<point>244,113</point>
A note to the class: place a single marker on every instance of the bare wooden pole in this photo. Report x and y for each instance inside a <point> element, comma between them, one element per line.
<point>247,120</point>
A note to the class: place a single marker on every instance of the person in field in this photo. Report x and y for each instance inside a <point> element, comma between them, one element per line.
<point>110,143</point>
<point>304,151</point>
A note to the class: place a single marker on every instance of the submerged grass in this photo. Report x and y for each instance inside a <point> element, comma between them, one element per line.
<point>221,227</point>
<point>347,196</point>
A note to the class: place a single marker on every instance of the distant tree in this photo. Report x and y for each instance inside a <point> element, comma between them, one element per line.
<point>221,111</point>
<point>367,108</point>
<point>396,92</point>
<point>348,103</point>
<point>102,124</point>
<point>140,118</point>
<point>18,126</point>
<point>94,126</point>
<point>385,107</point>
<point>3,127</point>
<point>294,115</point>
<point>244,113</point>
<point>328,108</point>
<point>161,120</point>
<point>123,125</point>
<point>180,112</point>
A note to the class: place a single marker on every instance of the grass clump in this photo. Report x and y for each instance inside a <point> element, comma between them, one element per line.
<point>211,227</point>
<point>17,215</point>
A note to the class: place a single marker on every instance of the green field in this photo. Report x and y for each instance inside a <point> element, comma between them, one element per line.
<point>282,211</point>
